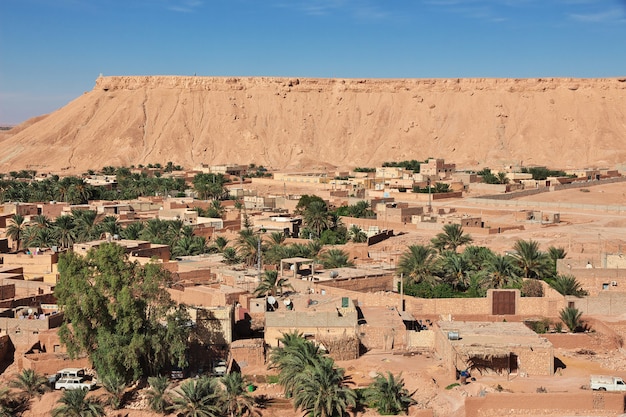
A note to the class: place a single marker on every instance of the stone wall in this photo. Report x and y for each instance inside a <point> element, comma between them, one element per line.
<point>424,339</point>
<point>50,363</point>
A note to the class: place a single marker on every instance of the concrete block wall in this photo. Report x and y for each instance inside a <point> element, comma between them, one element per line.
<point>424,339</point>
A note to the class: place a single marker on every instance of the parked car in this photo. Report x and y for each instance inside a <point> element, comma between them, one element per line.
<point>607,383</point>
<point>220,367</point>
<point>73,382</point>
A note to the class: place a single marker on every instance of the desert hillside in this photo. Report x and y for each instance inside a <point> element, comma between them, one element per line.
<point>296,124</point>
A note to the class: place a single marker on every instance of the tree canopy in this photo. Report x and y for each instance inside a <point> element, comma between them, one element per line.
<point>120,313</point>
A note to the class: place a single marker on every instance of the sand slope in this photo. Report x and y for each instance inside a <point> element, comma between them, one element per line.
<point>303,123</point>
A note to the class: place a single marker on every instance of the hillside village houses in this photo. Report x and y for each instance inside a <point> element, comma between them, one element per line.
<point>342,309</point>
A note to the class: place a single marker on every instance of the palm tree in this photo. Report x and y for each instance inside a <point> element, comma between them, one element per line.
<point>237,402</point>
<point>76,404</point>
<point>115,386</point>
<point>7,403</point>
<point>132,231</point>
<point>317,218</point>
<point>30,383</point>
<point>248,244</point>
<point>501,271</point>
<point>357,235</point>
<point>220,243</point>
<point>271,284</point>
<point>277,238</point>
<point>291,358</point>
<point>335,258</point>
<point>64,226</point>
<point>388,395</point>
<point>188,246</point>
<point>568,285</point>
<point>451,238</point>
<point>555,254</point>
<point>322,390</point>
<point>15,229</point>
<point>418,264</point>
<point>456,269</point>
<point>197,398</point>
<point>87,223</point>
<point>230,256</point>
<point>572,318</point>
<point>529,259</point>
<point>155,231</point>
<point>157,398</point>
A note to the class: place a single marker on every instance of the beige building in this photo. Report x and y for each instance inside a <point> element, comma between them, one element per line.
<point>506,348</point>
<point>322,318</point>
<point>437,168</point>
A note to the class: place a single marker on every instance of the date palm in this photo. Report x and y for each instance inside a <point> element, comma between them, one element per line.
<point>64,226</point>
<point>75,403</point>
<point>357,235</point>
<point>568,285</point>
<point>451,238</point>
<point>197,398</point>
<point>30,383</point>
<point>530,260</point>
<point>157,397</point>
<point>317,218</point>
<point>236,401</point>
<point>418,264</point>
<point>501,271</point>
<point>323,391</point>
<point>271,284</point>
<point>15,229</point>
<point>388,395</point>
<point>335,258</point>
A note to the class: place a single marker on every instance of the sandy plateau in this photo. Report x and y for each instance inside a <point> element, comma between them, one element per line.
<point>304,123</point>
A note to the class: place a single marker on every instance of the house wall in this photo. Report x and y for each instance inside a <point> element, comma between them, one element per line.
<point>363,284</point>
<point>7,291</point>
<point>42,265</point>
<point>591,403</point>
<point>204,296</point>
<point>248,352</point>
<point>51,363</point>
<point>424,339</point>
<point>5,346</point>
<point>605,303</point>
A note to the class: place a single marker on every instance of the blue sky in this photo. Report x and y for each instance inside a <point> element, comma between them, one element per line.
<point>51,51</point>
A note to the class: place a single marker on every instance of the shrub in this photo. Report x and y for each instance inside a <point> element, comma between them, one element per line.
<point>532,288</point>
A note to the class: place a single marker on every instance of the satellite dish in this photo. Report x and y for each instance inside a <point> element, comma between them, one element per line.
<point>30,311</point>
<point>334,274</point>
<point>271,300</point>
<point>287,301</point>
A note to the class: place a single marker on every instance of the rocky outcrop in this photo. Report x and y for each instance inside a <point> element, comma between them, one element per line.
<point>303,123</point>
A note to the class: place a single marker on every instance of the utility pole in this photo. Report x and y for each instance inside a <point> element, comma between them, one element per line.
<point>258,258</point>
<point>430,207</point>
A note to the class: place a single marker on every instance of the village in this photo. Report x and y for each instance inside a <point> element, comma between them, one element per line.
<point>499,349</point>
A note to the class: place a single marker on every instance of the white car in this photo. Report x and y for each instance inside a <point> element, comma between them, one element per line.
<point>74,382</point>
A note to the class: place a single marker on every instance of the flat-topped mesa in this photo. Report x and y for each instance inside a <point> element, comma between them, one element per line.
<point>303,123</point>
<point>112,83</point>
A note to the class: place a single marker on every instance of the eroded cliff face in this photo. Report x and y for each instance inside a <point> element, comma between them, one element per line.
<point>290,123</point>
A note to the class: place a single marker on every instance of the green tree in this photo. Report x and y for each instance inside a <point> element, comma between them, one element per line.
<point>572,318</point>
<point>87,225</point>
<point>115,386</point>
<point>388,395</point>
<point>220,243</point>
<point>271,284</point>
<point>451,238</point>
<point>230,256</point>
<point>30,383</point>
<point>120,312</point>
<point>236,401</point>
<point>335,258</point>
<point>501,271</point>
<point>75,403</point>
<point>418,264</point>
<point>15,229</point>
<point>555,254</point>
<point>568,285</point>
<point>64,226</point>
<point>317,218</point>
<point>209,186</point>
<point>323,391</point>
<point>197,398</point>
<point>532,262</point>
<point>357,235</point>
<point>157,397</point>
<point>456,269</point>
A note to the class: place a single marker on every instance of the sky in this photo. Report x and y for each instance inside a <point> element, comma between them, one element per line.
<point>51,51</point>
